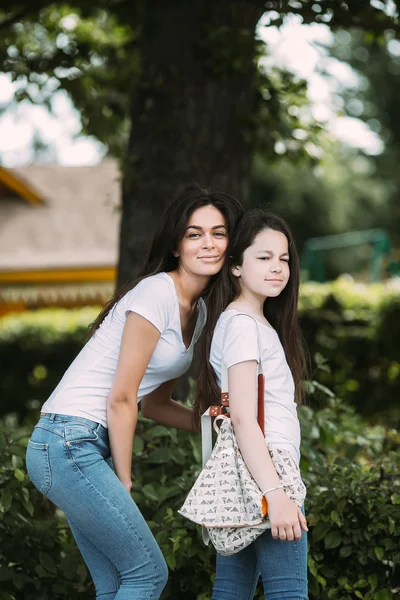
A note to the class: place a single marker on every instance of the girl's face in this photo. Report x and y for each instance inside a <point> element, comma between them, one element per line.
<point>265,268</point>
<point>202,249</point>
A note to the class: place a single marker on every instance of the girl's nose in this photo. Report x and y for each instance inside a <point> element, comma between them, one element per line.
<point>277,268</point>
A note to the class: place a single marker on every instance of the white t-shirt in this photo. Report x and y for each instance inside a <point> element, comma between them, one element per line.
<point>84,389</point>
<point>282,427</point>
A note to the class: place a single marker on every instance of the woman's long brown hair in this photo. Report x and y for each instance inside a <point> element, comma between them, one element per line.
<point>281,312</point>
<point>170,232</point>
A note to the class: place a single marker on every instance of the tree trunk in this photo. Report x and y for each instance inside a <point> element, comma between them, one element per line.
<point>193,111</point>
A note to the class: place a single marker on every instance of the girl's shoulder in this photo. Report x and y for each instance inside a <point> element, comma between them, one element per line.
<point>235,318</point>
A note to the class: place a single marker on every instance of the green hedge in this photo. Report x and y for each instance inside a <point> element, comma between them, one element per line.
<point>356,327</point>
<point>353,509</point>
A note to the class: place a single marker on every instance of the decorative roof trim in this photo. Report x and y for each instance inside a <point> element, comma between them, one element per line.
<point>18,186</point>
<point>103,274</point>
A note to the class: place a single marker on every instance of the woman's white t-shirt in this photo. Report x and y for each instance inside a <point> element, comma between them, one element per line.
<point>245,338</point>
<point>84,388</point>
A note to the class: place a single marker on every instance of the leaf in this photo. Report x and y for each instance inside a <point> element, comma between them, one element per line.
<point>159,456</point>
<point>320,531</point>
<point>42,573</point>
<point>6,573</point>
<point>324,389</point>
<point>6,499</point>
<point>395,498</point>
<point>373,580</point>
<point>333,540</point>
<point>379,553</point>
<point>47,562</point>
<point>383,595</point>
<point>20,475</point>
<point>138,445</point>
<point>346,551</point>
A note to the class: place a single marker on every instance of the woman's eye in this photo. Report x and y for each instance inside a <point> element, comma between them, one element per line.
<point>220,234</point>
<point>286,260</point>
<point>194,235</point>
<point>263,258</point>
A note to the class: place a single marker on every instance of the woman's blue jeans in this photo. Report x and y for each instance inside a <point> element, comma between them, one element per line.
<point>68,460</point>
<point>282,566</point>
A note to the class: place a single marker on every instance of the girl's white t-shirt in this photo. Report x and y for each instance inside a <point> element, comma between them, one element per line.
<point>245,339</point>
<point>84,388</point>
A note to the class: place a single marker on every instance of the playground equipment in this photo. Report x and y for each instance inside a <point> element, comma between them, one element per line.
<point>313,258</point>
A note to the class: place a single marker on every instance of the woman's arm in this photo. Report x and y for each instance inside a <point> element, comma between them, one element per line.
<point>285,517</point>
<point>160,407</point>
<point>139,340</point>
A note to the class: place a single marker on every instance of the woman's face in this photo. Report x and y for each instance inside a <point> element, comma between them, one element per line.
<point>202,249</point>
<point>265,269</point>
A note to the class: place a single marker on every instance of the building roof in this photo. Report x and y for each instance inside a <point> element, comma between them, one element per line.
<point>74,223</point>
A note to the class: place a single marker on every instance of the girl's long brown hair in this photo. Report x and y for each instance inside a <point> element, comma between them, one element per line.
<point>170,232</point>
<point>281,312</point>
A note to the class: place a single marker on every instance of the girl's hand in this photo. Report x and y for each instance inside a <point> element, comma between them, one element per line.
<point>285,517</point>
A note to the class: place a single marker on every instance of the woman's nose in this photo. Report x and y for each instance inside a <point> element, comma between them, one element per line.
<point>208,241</point>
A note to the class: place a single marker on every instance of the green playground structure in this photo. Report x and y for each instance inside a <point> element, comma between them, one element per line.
<point>382,262</point>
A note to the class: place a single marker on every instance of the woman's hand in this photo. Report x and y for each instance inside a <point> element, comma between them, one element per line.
<point>128,486</point>
<point>285,517</point>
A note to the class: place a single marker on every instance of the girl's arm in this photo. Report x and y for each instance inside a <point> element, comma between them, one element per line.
<point>139,340</point>
<point>160,407</point>
<point>285,517</point>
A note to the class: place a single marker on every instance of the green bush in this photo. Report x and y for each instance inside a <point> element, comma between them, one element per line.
<point>353,505</point>
<point>355,326</point>
<point>38,559</point>
<point>350,468</point>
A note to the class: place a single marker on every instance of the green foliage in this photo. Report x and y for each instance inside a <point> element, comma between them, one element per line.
<point>38,560</point>
<point>354,326</point>
<point>351,468</point>
<point>353,503</point>
<point>374,99</point>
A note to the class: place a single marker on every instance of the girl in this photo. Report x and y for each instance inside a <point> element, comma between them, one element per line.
<point>141,343</point>
<point>258,292</point>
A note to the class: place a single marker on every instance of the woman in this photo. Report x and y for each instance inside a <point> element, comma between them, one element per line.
<point>253,317</point>
<point>80,451</point>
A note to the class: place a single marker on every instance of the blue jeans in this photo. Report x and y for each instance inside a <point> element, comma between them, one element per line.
<point>68,460</point>
<point>282,566</point>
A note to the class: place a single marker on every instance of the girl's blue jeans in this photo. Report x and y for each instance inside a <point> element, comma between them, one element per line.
<point>282,566</point>
<point>68,460</point>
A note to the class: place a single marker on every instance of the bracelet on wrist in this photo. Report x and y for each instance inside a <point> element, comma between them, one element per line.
<point>278,487</point>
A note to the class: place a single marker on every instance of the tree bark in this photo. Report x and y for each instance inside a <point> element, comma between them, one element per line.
<point>193,111</point>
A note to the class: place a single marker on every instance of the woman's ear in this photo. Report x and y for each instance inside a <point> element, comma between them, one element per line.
<point>236,271</point>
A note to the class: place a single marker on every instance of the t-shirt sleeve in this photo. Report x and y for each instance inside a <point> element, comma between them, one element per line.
<point>241,341</point>
<point>153,300</point>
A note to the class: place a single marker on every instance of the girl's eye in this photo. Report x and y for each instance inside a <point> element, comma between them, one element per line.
<point>286,260</point>
<point>220,234</point>
<point>263,258</point>
<point>194,235</point>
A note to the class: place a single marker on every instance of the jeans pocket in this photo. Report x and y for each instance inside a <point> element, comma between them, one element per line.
<point>38,465</point>
<point>76,432</point>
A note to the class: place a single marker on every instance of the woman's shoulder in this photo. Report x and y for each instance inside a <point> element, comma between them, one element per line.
<point>158,288</point>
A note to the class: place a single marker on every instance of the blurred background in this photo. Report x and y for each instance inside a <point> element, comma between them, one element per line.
<point>106,110</point>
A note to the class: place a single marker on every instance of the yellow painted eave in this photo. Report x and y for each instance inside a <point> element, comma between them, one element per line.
<point>16,185</point>
<point>59,275</point>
